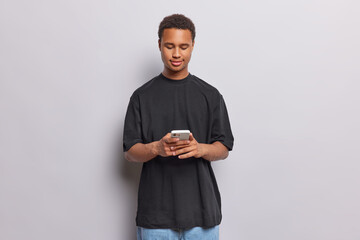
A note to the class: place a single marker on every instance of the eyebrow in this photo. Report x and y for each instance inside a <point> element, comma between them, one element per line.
<point>182,44</point>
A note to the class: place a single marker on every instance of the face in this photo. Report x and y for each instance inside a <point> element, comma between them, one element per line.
<point>176,46</point>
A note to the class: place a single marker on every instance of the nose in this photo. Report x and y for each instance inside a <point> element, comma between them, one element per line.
<point>176,53</point>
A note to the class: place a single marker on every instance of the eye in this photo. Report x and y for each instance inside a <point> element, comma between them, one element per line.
<point>169,47</point>
<point>184,48</point>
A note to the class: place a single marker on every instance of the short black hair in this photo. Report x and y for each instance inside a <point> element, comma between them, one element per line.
<point>177,21</point>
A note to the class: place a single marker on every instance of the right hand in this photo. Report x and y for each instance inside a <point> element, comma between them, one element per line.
<point>164,145</point>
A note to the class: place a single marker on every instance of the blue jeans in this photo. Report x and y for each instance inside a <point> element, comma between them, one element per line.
<point>196,233</point>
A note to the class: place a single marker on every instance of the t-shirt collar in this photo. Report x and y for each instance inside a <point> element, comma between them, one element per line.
<point>175,81</point>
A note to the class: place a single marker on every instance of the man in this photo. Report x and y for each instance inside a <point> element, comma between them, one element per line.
<point>178,195</point>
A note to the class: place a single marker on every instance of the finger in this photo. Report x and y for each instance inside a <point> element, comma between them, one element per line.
<point>171,140</point>
<point>169,152</point>
<point>184,150</point>
<point>168,139</point>
<point>179,143</point>
<point>191,137</point>
<point>182,142</point>
<point>176,147</point>
<point>187,155</point>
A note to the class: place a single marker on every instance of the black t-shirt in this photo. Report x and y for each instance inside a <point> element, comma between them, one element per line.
<point>173,192</point>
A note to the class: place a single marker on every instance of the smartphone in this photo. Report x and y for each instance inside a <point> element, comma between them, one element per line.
<point>181,134</point>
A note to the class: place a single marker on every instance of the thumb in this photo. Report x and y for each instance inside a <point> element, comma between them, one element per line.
<point>191,137</point>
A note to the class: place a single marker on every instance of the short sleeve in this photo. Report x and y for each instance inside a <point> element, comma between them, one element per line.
<point>132,124</point>
<point>221,129</point>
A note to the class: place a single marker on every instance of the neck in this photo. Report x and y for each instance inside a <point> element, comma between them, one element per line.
<point>175,75</point>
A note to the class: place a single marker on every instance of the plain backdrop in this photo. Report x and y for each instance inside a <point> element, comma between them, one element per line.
<point>289,72</point>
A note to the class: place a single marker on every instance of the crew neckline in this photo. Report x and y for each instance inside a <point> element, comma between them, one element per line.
<point>175,81</point>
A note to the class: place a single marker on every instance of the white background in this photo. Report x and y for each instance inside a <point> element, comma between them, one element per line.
<point>289,74</point>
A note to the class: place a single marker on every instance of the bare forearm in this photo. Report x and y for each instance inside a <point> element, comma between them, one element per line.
<point>141,152</point>
<point>215,151</point>
<point>144,152</point>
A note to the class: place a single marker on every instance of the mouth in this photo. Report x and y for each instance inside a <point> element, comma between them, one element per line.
<point>176,63</point>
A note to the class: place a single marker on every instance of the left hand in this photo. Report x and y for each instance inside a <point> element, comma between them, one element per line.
<point>192,149</point>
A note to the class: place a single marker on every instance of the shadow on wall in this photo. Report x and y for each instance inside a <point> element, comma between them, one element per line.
<point>129,172</point>
<point>129,175</point>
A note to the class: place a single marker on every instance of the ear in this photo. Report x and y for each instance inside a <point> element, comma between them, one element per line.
<point>193,43</point>
<point>159,42</point>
